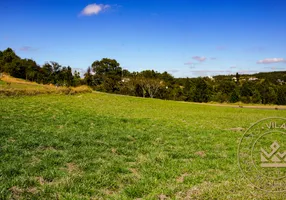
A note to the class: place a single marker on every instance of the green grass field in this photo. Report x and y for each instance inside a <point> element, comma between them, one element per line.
<point>102,146</point>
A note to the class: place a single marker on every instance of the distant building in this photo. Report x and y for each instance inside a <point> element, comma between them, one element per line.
<point>281,82</point>
<point>211,78</point>
<point>253,79</point>
<point>235,79</point>
<point>125,80</point>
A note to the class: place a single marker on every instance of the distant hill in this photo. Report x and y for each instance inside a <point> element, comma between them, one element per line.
<point>273,77</point>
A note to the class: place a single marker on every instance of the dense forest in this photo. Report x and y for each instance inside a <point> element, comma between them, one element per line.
<point>106,75</point>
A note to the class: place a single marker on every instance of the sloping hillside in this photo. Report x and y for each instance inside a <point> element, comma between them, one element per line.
<point>10,86</point>
<point>11,82</point>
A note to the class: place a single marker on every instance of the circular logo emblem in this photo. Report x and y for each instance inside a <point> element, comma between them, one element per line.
<point>262,154</point>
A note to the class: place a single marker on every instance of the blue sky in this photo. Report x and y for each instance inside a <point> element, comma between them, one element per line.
<point>184,37</point>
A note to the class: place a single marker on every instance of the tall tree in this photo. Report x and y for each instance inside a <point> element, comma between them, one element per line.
<point>88,77</point>
<point>234,97</point>
<point>76,79</point>
<point>187,89</point>
<point>31,69</point>
<point>47,71</point>
<point>107,67</point>
<point>107,72</point>
<point>201,93</point>
<point>256,97</point>
<point>237,78</point>
<point>281,95</point>
<point>268,94</point>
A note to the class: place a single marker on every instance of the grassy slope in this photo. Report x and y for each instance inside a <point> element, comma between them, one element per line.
<point>116,147</point>
<point>19,83</point>
<point>10,86</point>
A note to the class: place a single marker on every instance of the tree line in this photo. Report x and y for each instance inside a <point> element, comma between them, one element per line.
<point>107,75</point>
<point>49,73</point>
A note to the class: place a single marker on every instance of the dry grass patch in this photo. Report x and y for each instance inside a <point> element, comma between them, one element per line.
<point>134,172</point>
<point>40,180</point>
<point>182,177</point>
<point>45,90</point>
<point>194,192</point>
<point>162,197</point>
<point>20,87</point>
<point>72,167</point>
<point>16,192</point>
<point>202,154</point>
<point>238,129</point>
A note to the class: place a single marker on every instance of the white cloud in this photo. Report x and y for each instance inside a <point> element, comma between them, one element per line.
<point>271,60</point>
<point>199,58</point>
<point>94,9</point>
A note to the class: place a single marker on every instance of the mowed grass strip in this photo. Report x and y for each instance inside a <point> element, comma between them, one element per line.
<point>101,146</point>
